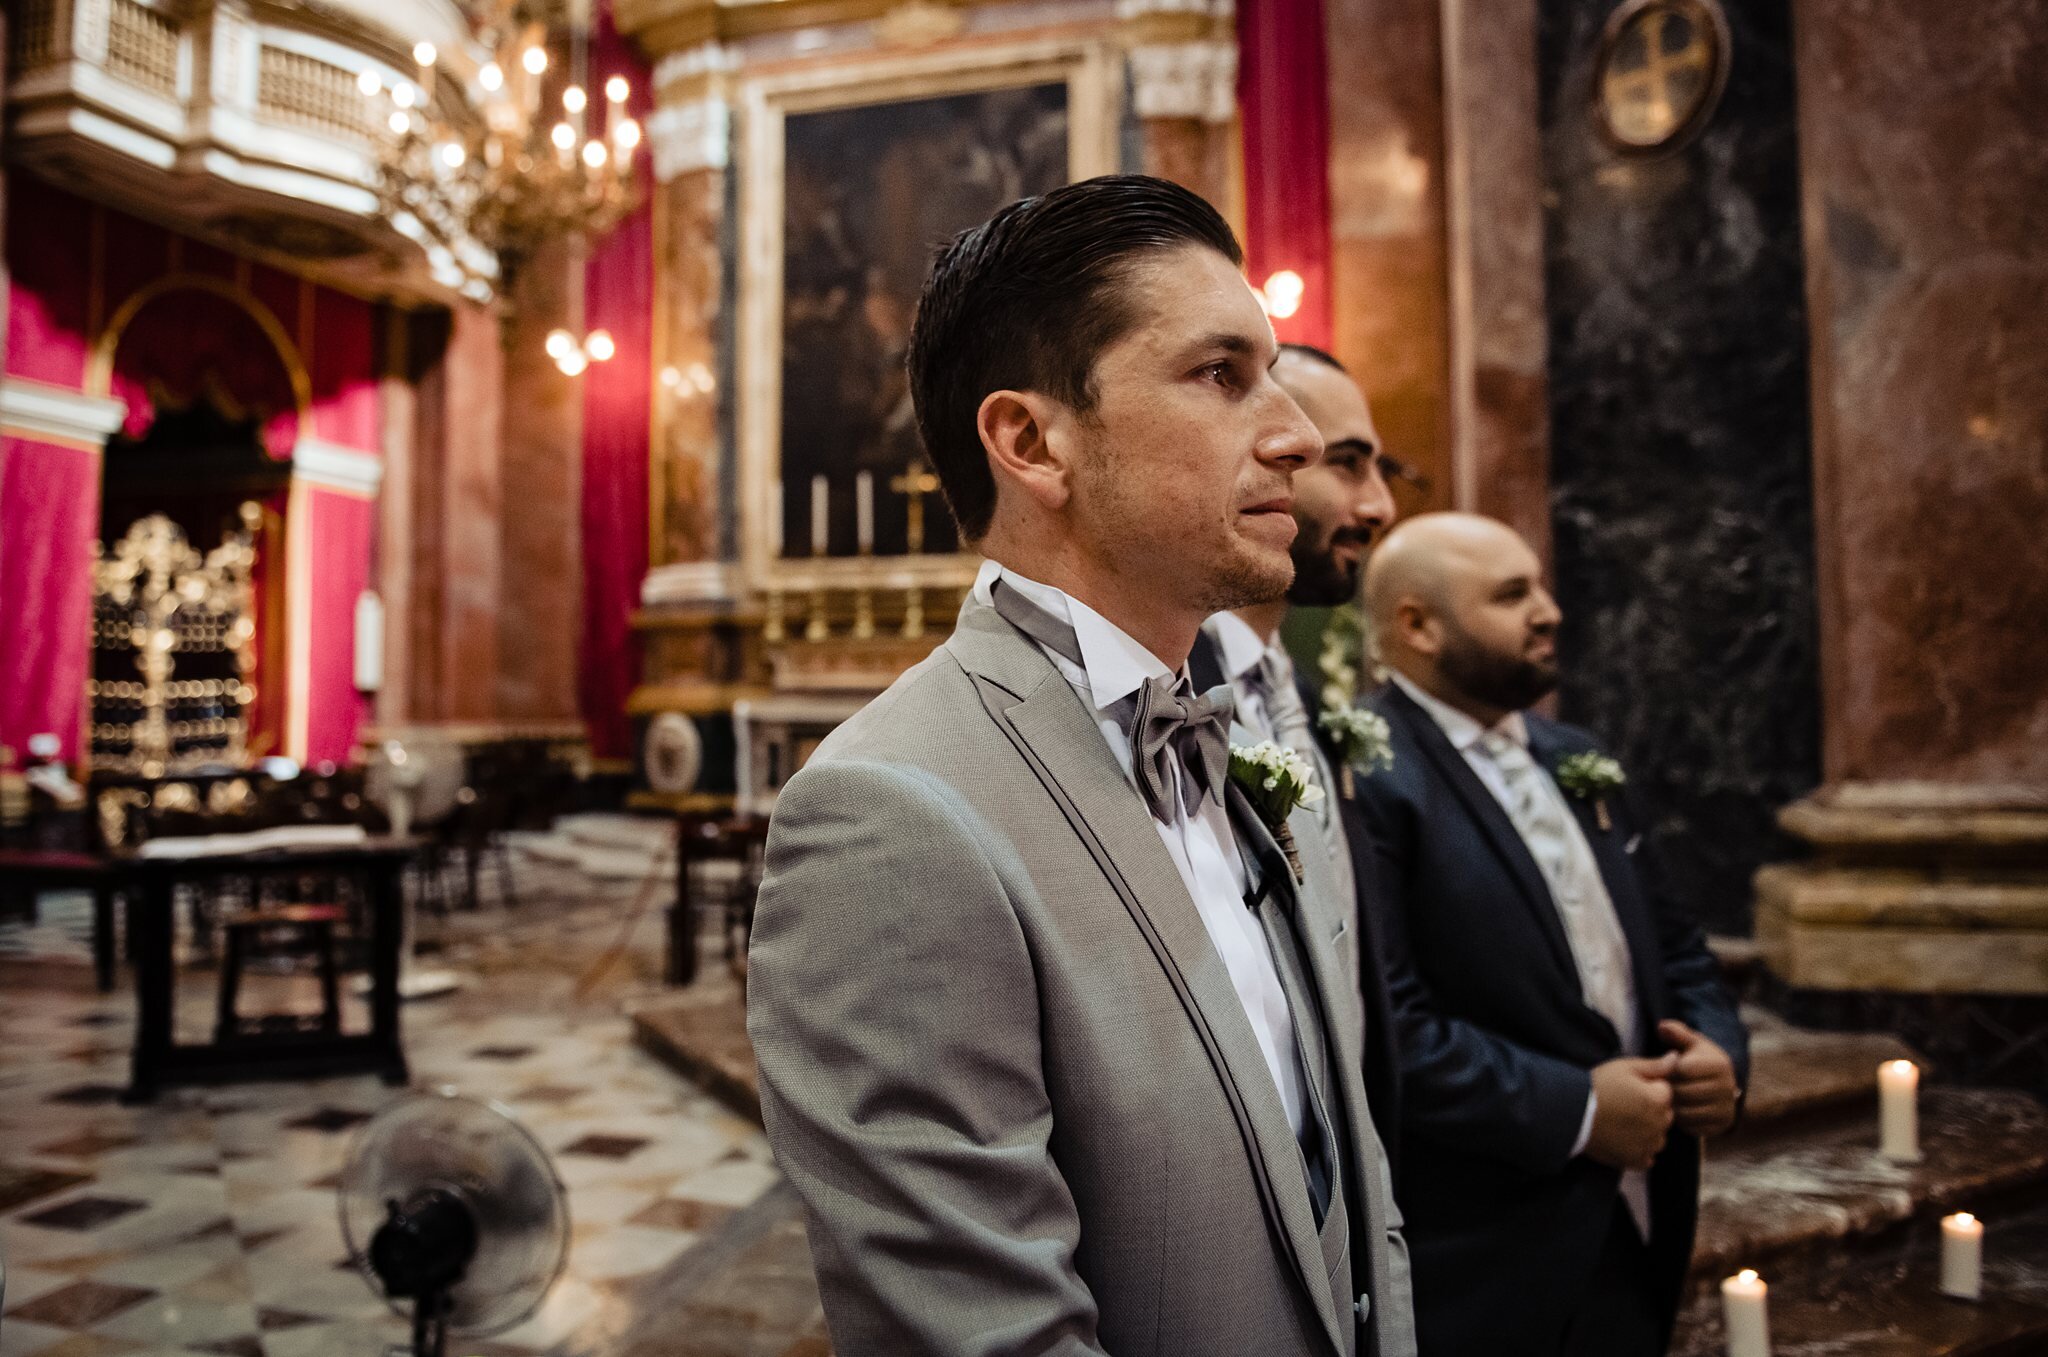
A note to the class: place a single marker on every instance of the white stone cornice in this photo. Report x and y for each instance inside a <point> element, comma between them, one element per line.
<point>39,410</point>
<point>690,136</point>
<point>334,467</point>
<point>1185,80</point>
<point>706,58</point>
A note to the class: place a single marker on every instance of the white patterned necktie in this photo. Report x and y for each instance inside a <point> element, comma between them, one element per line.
<point>1598,946</point>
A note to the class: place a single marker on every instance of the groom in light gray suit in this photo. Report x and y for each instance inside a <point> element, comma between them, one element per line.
<point>1059,1054</point>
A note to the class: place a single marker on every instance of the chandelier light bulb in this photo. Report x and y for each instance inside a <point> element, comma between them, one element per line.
<point>399,122</point>
<point>368,82</point>
<point>594,154</point>
<point>452,154</point>
<point>559,342</point>
<point>598,344</point>
<point>401,94</point>
<point>564,136</point>
<point>424,53</point>
<point>1282,294</point>
<point>535,60</point>
<point>490,77</point>
<point>574,99</point>
<point>627,134</point>
<point>572,363</point>
<point>616,89</point>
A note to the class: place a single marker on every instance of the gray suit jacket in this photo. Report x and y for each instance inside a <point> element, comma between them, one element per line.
<point>1005,1068</point>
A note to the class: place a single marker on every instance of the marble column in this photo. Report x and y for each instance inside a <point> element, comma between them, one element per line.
<point>1927,279</point>
<point>1389,254</point>
<point>690,137</point>
<point>1922,181</point>
<point>397,512</point>
<point>539,543</point>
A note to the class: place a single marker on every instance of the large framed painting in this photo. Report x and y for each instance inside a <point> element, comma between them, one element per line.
<point>849,181</point>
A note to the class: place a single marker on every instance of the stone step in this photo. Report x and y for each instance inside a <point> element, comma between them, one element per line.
<point>1825,1185</point>
<point>1796,1073</point>
<point>1885,1301</point>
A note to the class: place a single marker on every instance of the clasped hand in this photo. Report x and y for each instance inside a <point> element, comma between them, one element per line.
<point>1691,1086</point>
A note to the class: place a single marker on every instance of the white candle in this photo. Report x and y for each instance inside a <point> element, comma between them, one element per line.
<point>775,523</point>
<point>1962,1256</point>
<point>819,532</point>
<point>864,510</point>
<point>1743,1311</point>
<point>1898,1111</point>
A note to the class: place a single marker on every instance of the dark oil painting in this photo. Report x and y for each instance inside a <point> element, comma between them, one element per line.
<point>870,192</point>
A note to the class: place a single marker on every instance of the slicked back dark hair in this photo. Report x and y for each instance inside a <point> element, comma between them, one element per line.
<point>1027,301</point>
<point>1314,354</point>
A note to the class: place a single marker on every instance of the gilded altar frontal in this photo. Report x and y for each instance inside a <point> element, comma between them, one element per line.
<point>698,677</point>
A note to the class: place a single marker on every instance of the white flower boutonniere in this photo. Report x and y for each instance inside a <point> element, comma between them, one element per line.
<point>1592,775</point>
<point>1275,780</point>
<point>1363,741</point>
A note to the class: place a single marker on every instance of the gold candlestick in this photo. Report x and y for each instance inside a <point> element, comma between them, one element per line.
<point>864,614</point>
<point>773,630</point>
<point>913,613</point>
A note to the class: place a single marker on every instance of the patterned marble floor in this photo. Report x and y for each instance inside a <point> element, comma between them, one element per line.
<point>206,1224</point>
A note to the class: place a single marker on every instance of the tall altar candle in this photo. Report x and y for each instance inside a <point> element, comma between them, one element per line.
<point>820,533</point>
<point>1962,1256</point>
<point>775,523</point>
<point>1898,1111</point>
<point>1744,1313</point>
<point>864,510</point>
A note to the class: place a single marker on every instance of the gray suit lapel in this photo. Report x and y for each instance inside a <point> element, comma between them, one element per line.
<point>1056,733</point>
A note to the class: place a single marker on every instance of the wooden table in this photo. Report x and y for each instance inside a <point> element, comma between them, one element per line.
<point>159,1060</point>
<point>30,871</point>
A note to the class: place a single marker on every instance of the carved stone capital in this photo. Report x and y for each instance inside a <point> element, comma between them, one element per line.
<point>696,135</point>
<point>1185,80</point>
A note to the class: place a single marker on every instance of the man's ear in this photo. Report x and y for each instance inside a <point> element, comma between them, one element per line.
<point>1017,429</point>
<point>1417,628</point>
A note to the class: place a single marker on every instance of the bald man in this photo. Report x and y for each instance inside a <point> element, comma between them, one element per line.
<point>1565,1039</point>
<point>1341,506</point>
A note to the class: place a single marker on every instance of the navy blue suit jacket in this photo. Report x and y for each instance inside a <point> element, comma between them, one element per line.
<point>1497,1044</point>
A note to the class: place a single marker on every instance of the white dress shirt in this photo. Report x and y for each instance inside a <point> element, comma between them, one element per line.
<point>1202,845</point>
<point>1598,946</point>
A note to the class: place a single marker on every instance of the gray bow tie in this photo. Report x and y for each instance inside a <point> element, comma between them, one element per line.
<point>1164,720</point>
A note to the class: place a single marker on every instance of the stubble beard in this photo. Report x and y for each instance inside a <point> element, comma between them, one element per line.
<point>1506,682</point>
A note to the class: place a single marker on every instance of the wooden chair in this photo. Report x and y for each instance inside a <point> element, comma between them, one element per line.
<point>311,930</point>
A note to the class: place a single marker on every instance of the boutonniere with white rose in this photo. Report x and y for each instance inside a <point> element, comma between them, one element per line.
<point>1592,776</point>
<point>1363,741</point>
<point>1275,780</point>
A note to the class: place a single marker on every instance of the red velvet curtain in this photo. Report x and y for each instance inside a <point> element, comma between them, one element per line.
<point>1284,105</point>
<point>619,282</point>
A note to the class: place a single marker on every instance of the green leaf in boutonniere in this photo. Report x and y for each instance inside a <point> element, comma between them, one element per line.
<point>1275,780</point>
<point>1363,741</point>
<point>1592,776</point>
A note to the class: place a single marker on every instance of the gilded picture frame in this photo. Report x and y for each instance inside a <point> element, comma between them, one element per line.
<point>1089,72</point>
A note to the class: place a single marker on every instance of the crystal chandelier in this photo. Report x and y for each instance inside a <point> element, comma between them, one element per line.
<point>487,159</point>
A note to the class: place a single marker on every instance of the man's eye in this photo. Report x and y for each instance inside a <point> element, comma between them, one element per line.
<point>1223,374</point>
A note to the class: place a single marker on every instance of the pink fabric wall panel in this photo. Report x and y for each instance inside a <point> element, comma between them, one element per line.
<point>49,519</point>
<point>49,265</point>
<point>339,528</point>
<point>617,401</point>
<point>341,336</point>
<point>1285,114</point>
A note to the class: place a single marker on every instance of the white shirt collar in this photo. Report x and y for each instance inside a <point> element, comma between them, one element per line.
<point>1241,647</point>
<point>1116,665</point>
<point>1461,730</point>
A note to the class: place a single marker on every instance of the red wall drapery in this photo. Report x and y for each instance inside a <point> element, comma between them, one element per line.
<point>618,281</point>
<point>1285,114</point>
